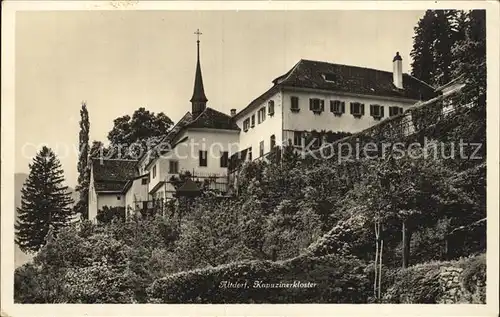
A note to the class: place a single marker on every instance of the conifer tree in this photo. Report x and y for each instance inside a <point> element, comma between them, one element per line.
<point>470,53</point>
<point>435,35</point>
<point>83,164</point>
<point>444,37</point>
<point>46,203</point>
<point>422,55</point>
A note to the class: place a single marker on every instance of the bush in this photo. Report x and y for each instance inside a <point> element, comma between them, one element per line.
<point>473,277</point>
<point>338,280</point>
<point>422,284</point>
<point>108,214</point>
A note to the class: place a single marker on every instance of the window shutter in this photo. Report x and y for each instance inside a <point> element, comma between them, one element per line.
<point>352,108</point>
<point>343,106</point>
<point>381,111</point>
<point>331,105</point>
<point>322,104</point>
<point>310,104</point>
<point>400,110</point>
<point>362,109</point>
<point>371,110</point>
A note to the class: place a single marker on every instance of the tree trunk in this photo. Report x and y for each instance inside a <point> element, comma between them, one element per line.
<point>406,243</point>
<point>375,279</point>
<point>446,249</point>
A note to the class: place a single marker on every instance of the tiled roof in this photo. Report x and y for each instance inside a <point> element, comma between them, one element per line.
<point>183,122</point>
<point>168,138</point>
<point>189,188</point>
<point>213,119</point>
<point>353,79</point>
<point>348,79</point>
<point>209,118</point>
<point>113,174</point>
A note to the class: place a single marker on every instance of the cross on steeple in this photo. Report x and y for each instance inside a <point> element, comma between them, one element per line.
<point>198,33</point>
<point>199,100</point>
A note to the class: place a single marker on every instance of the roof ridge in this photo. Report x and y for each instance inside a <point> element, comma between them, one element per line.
<point>287,74</point>
<point>218,111</point>
<point>112,159</point>
<point>172,130</point>
<point>347,65</point>
<point>198,116</point>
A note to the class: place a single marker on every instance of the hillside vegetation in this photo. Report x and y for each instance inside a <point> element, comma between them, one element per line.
<point>294,219</point>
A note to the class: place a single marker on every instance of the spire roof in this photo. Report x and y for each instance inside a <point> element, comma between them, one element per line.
<point>199,91</point>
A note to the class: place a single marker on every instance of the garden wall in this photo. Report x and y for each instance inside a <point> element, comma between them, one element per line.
<point>460,281</point>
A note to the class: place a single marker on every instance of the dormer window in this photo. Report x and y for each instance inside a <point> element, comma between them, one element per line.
<point>357,109</point>
<point>329,77</point>
<point>377,111</point>
<point>316,105</point>
<point>337,107</point>
<point>270,107</point>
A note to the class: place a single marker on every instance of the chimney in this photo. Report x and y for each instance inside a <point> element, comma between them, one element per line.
<point>397,71</point>
<point>233,112</point>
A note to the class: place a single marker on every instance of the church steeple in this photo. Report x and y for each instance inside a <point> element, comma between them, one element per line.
<point>199,100</point>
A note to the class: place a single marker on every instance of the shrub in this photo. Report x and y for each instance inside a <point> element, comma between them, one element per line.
<point>338,280</point>
<point>417,284</point>
<point>473,277</point>
<point>422,283</point>
<point>108,214</point>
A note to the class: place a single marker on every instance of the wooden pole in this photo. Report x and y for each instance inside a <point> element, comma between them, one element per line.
<point>406,243</point>
<point>376,261</point>
<point>380,271</point>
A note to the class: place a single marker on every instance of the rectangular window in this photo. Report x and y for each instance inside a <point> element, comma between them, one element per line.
<point>250,153</point>
<point>154,171</point>
<point>118,198</point>
<point>377,111</point>
<point>357,109</point>
<point>294,103</point>
<point>173,167</point>
<point>262,114</point>
<point>394,111</point>
<point>224,159</point>
<point>270,107</point>
<point>203,158</point>
<point>316,105</point>
<point>246,124</point>
<point>144,181</point>
<point>253,121</point>
<point>273,141</point>
<point>297,138</point>
<point>261,148</point>
<point>337,107</point>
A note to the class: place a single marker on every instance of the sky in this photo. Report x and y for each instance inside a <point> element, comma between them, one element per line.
<point>118,61</point>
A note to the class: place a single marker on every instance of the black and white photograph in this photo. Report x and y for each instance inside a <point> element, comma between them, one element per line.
<point>259,156</point>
